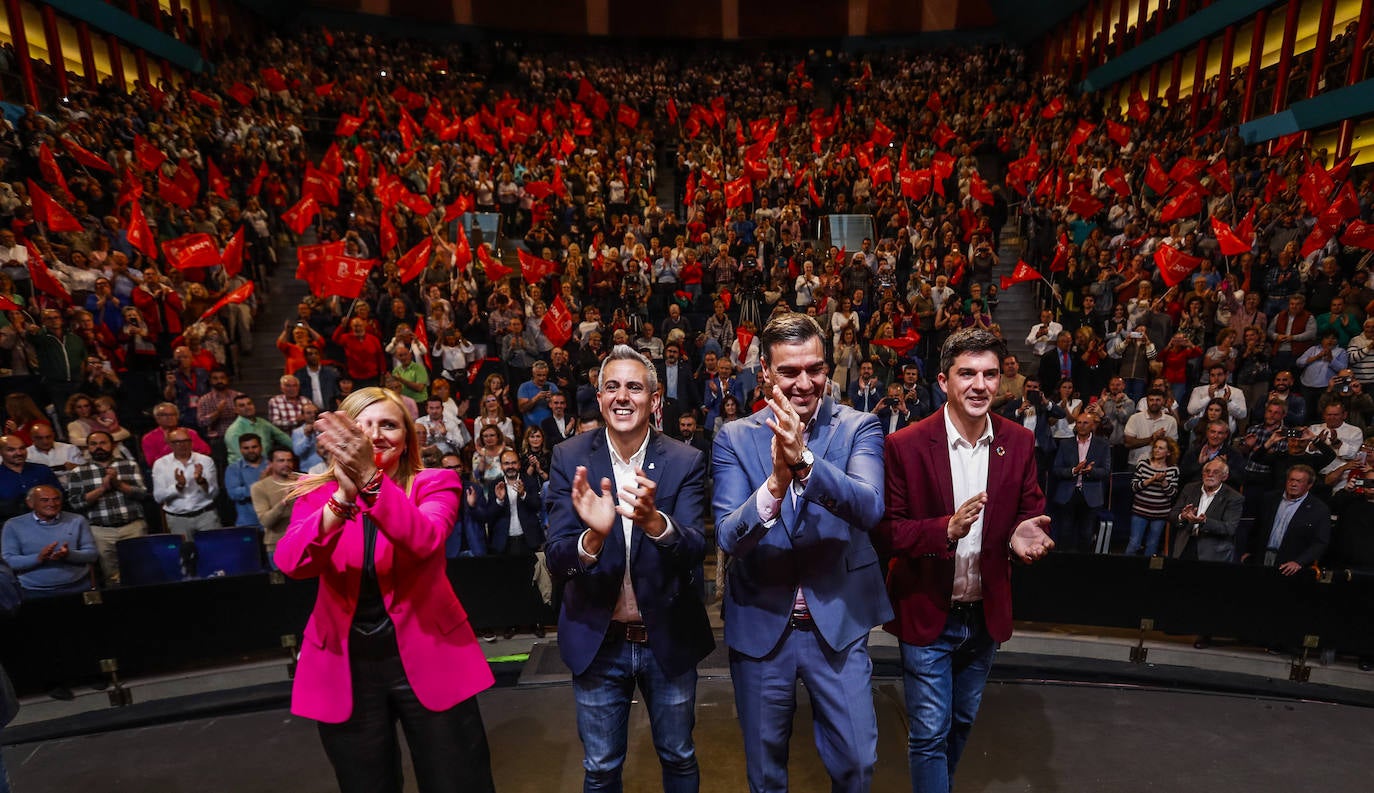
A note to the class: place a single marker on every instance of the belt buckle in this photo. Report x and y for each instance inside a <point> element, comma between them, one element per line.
<point>636,633</point>
<point>802,622</point>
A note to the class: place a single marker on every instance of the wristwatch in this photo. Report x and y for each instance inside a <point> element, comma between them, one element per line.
<point>807,458</point>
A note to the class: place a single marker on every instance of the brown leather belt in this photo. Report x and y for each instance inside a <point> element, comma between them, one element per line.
<point>633,632</point>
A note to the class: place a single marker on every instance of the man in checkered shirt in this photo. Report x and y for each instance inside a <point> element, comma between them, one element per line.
<point>284,409</point>
<point>107,490</point>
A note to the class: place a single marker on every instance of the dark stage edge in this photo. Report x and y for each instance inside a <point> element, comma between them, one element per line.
<point>1030,736</point>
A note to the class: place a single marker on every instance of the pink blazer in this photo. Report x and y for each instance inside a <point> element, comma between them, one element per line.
<point>439,652</point>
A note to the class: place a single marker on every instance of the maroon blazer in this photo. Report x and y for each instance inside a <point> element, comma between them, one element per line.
<point>913,531</point>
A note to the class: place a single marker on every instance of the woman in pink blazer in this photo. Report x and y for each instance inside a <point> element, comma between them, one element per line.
<point>388,639</point>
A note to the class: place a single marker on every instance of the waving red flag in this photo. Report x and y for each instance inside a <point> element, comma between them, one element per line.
<point>881,172</point>
<point>347,125</point>
<point>557,322</point>
<point>459,207</point>
<point>416,203</point>
<point>902,344</point>
<point>1021,273</point>
<point>738,192</point>
<point>978,189</point>
<point>256,186</point>
<point>324,89</point>
<point>241,93</point>
<point>1227,239</point>
<point>1359,234</point>
<point>1174,265</point>
<point>882,134</point>
<point>298,217</point>
<point>1155,177</point>
<point>1341,169</point>
<point>1083,205</point>
<point>171,191</point>
<point>146,155</point>
<point>1220,171</point>
<point>1116,180</point>
<point>239,295</point>
<point>1185,204</point>
<point>140,236</point>
<point>130,188</point>
<point>671,109</point>
<point>51,214</point>
<point>204,99</point>
<point>942,135</point>
<point>218,184</point>
<point>47,165</point>
<point>43,279</point>
<point>1282,144</point>
<point>1246,228</point>
<point>1053,108</point>
<point>1186,168</point>
<point>462,252</point>
<point>322,185</point>
<point>87,158</point>
<point>1345,206</point>
<point>415,260</point>
<point>1316,240</point>
<point>494,270</point>
<point>534,268</point>
<point>191,251</point>
<point>627,116</point>
<point>811,192</point>
<point>233,254</point>
<point>273,80</point>
<point>387,238</point>
<point>186,179</point>
<point>1138,109</point>
<point>344,276</point>
<point>434,179</point>
<point>1120,134</point>
<point>1081,132</point>
<point>310,261</point>
<point>1062,249</point>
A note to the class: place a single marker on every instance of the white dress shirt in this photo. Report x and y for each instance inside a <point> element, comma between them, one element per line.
<point>968,470</point>
<point>193,498</point>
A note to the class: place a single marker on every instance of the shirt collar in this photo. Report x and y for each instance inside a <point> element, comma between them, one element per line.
<point>1294,501</point>
<point>637,459</point>
<point>955,439</point>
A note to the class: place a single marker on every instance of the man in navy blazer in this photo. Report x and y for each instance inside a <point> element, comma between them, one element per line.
<point>522,493</point>
<point>1293,527</point>
<point>327,377</point>
<point>1082,466</point>
<point>798,486</point>
<point>625,538</point>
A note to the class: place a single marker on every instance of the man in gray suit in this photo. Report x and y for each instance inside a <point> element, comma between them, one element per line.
<point>1206,515</point>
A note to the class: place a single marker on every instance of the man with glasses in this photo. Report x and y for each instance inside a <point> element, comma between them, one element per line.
<point>185,485</point>
<point>155,445</point>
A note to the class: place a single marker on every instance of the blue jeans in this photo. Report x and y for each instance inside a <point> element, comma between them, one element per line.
<point>944,685</point>
<point>603,695</point>
<point>1139,524</point>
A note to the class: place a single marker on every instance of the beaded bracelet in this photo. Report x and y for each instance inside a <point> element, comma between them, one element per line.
<point>373,488</point>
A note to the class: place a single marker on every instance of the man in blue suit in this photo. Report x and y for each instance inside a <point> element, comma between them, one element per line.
<point>1082,467</point>
<point>629,551</point>
<point>798,485</point>
<point>512,511</point>
<point>319,382</point>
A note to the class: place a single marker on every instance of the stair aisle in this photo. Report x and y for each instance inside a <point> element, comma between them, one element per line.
<point>1017,308</point>
<point>260,370</point>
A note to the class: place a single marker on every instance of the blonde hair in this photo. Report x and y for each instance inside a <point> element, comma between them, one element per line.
<point>352,406</point>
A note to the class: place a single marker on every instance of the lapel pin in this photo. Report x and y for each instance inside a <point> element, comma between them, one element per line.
<point>1001,451</point>
<point>651,466</point>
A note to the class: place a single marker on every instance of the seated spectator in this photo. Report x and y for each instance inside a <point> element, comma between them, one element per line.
<point>319,382</point>
<point>155,442</point>
<point>240,476</point>
<point>1154,484</point>
<point>48,450</point>
<point>1293,527</point>
<point>1206,516</point>
<point>18,476</point>
<point>52,551</point>
<point>284,410</point>
<point>1081,467</point>
<point>247,421</point>
<point>439,432</point>
<point>109,491</point>
<point>22,415</point>
<point>185,484</point>
<point>273,500</point>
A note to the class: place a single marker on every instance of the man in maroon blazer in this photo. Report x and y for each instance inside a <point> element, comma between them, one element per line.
<point>962,499</point>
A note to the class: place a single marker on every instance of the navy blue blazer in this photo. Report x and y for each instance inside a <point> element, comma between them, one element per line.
<point>496,515</point>
<point>329,384</point>
<point>667,578</point>
<point>1094,481</point>
<point>820,542</point>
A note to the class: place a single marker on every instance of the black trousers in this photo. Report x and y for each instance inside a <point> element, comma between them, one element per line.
<point>448,749</point>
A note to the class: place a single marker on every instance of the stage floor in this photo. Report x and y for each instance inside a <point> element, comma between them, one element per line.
<point>1030,737</point>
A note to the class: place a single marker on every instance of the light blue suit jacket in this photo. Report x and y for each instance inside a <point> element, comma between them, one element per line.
<point>819,541</point>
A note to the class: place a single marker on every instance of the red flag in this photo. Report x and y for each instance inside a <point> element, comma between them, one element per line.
<point>1359,234</point>
<point>744,337</point>
<point>51,214</point>
<point>978,189</point>
<point>1282,144</point>
<point>344,276</point>
<point>310,261</point>
<point>1053,108</point>
<point>1138,108</point>
<point>1316,240</point>
<point>1274,185</point>
<point>415,260</point>
<point>298,217</point>
<point>146,155</point>
<point>1185,204</point>
<point>1174,265</point>
<point>1116,180</point>
<point>140,236</point>
<point>882,134</point>
<point>416,203</point>
<point>218,184</point>
<point>387,238</point>
<point>1061,254</point>
<point>495,270</point>
<point>130,188</point>
<point>671,109</point>
<point>186,179</point>
<point>811,192</point>
<point>203,99</point>
<point>47,165</point>
<point>1120,134</point>
<point>324,89</point>
<point>1341,169</point>
<point>434,180</point>
<point>239,295</point>
<point>323,186</point>
<point>1246,228</point>
<point>462,252</point>
<point>902,344</point>
<point>1314,186</point>
<point>256,186</point>
<point>933,103</point>
<point>1021,273</point>
<point>627,116</point>
<point>1345,206</point>
<point>1155,177</point>
<point>242,93</point>
<point>332,161</point>
<point>942,135</point>
<point>191,251</point>
<point>1081,132</point>
<point>1220,172</point>
<point>460,206</point>
<point>881,172</point>
<point>1186,168</point>
<point>738,192</point>
<point>87,158</point>
<point>1085,206</point>
<point>43,279</point>
<point>535,269</point>
<point>273,80</point>
<point>557,322</point>
<point>347,125</point>
<point>171,191</point>
<point>1230,243</point>
<point>233,254</point>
